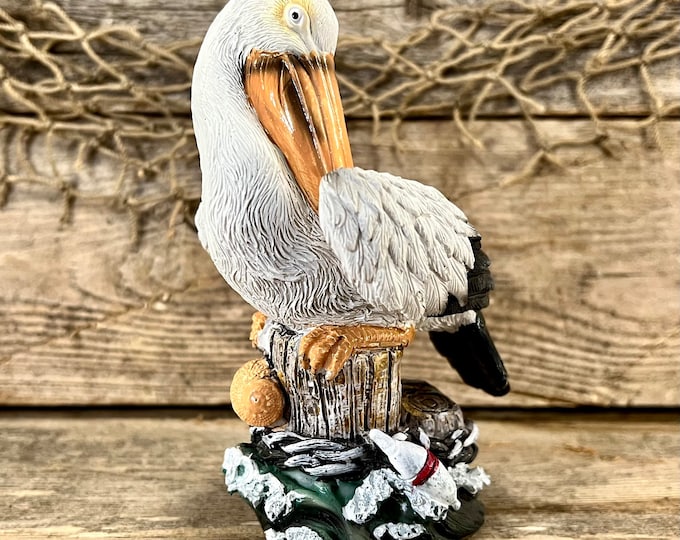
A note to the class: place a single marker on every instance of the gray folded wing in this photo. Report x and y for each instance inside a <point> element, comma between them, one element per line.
<point>402,244</point>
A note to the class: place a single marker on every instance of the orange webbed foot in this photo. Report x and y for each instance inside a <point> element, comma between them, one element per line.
<point>329,347</point>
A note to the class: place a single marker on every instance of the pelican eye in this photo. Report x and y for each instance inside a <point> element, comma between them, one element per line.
<point>295,16</point>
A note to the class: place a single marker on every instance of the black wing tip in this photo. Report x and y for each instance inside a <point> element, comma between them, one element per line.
<point>498,391</point>
<point>495,384</point>
<point>472,353</point>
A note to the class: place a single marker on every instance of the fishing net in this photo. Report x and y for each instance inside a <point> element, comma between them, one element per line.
<point>76,100</point>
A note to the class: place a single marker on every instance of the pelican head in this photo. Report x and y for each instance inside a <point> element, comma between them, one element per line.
<point>300,27</point>
<point>277,58</point>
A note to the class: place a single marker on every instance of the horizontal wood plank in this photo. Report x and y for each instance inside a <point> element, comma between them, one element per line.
<point>554,476</point>
<point>586,263</point>
<point>373,36</point>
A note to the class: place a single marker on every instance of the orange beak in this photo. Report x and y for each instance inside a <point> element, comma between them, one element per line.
<point>298,103</point>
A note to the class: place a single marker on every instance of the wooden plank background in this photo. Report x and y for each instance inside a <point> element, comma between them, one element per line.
<point>586,256</point>
<point>620,93</point>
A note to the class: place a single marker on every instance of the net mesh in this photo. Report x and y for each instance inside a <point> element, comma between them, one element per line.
<point>73,99</point>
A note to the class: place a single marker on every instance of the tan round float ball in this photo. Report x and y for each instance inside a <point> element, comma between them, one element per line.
<point>256,397</point>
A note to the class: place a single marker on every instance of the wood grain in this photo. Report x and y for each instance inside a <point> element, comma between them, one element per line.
<point>620,92</point>
<point>586,262</point>
<point>554,476</point>
<point>365,394</point>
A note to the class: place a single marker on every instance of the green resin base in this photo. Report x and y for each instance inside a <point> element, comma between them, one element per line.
<point>292,505</point>
<point>416,484</point>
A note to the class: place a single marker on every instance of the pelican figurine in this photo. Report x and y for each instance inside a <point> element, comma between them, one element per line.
<point>346,256</point>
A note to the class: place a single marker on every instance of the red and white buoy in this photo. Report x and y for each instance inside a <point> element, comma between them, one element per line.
<point>418,466</point>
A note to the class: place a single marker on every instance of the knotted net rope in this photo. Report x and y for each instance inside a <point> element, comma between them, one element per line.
<point>74,98</point>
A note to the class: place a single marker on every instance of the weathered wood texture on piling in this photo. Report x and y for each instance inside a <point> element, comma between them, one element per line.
<point>366,393</point>
<point>134,476</point>
<point>585,256</point>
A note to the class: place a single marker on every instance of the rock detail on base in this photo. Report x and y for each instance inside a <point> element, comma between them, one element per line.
<point>382,484</point>
<point>471,479</point>
<point>398,531</point>
<point>292,533</point>
<point>242,474</point>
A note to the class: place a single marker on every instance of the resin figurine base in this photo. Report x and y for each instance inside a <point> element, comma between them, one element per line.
<point>416,484</point>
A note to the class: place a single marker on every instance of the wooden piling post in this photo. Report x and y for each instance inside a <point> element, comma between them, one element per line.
<point>366,394</point>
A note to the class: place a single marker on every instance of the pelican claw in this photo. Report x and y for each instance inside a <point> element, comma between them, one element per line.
<point>329,347</point>
<point>258,321</point>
